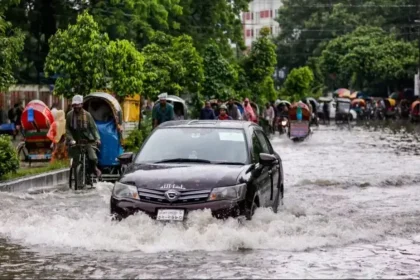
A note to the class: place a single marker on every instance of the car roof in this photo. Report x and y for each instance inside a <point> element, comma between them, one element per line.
<point>208,124</point>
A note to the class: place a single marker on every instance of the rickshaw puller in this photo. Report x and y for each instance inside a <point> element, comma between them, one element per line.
<point>81,129</point>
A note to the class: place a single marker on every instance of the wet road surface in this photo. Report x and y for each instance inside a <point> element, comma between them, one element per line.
<point>351,210</point>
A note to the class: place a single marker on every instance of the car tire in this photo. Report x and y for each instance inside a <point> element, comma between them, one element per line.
<point>251,211</point>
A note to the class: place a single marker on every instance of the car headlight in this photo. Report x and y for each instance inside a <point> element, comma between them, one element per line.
<point>125,191</point>
<point>228,193</point>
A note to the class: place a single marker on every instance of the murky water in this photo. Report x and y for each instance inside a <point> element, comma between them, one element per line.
<point>352,208</point>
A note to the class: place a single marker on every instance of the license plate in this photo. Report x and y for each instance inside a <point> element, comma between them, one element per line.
<point>170,215</point>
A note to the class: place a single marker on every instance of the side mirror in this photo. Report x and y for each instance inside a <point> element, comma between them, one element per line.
<point>126,158</point>
<point>267,159</point>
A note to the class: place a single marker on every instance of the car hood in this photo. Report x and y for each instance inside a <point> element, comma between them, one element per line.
<point>183,176</point>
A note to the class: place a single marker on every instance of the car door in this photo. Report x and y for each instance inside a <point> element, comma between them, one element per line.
<point>260,176</point>
<point>273,171</point>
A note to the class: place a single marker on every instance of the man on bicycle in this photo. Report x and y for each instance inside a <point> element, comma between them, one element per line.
<point>81,129</point>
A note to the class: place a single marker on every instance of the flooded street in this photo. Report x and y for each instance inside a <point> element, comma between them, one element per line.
<point>351,210</point>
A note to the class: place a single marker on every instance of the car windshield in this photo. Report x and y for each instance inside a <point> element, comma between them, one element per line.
<point>202,145</point>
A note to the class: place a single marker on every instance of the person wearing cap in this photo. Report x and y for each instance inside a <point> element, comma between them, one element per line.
<point>81,129</point>
<point>223,113</point>
<point>163,111</point>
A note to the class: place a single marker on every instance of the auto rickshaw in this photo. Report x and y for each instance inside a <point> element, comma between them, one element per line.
<point>390,108</point>
<point>342,114</point>
<point>108,116</point>
<point>180,106</point>
<point>299,128</point>
<point>36,120</point>
<point>415,111</point>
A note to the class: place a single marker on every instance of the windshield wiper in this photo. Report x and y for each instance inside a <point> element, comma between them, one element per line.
<point>230,163</point>
<point>183,160</point>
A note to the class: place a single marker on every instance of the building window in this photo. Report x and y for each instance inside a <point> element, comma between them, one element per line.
<point>265,14</point>
<point>271,13</point>
<point>248,16</point>
<point>252,32</point>
<point>271,30</point>
<point>248,33</point>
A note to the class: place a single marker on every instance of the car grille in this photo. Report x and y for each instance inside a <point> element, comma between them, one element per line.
<point>186,197</point>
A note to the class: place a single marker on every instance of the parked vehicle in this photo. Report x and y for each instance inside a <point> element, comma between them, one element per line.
<point>36,120</point>
<point>229,167</point>
<point>343,114</point>
<point>299,130</point>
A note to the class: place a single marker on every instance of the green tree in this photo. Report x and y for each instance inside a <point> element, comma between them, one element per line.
<point>85,59</point>
<point>11,44</point>
<point>259,67</point>
<point>135,20</point>
<point>308,25</point>
<point>217,20</point>
<point>77,57</point>
<point>124,68</point>
<point>219,75</point>
<point>172,65</point>
<point>369,56</point>
<point>298,84</point>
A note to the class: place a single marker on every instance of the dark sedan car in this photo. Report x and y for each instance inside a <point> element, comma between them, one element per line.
<point>228,167</point>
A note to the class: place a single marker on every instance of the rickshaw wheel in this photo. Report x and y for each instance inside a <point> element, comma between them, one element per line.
<point>22,152</point>
<point>80,179</point>
<point>71,179</point>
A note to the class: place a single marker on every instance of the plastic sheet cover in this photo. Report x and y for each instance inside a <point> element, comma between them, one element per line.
<point>110,147</point>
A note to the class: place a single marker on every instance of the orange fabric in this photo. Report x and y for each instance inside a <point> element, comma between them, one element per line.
<point>52,132</point>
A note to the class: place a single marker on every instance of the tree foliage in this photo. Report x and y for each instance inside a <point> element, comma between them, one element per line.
<point>220,75</point>
<point>298,83</point>
<point>172,65</point>
<point>77,57</point>
<point>84,59</point>
<point>369,56</point>
<point>124,68</point>
<point>259,67</point>
<point>11,44</point>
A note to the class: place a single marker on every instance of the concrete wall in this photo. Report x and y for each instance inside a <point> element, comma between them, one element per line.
<point>49,179</point>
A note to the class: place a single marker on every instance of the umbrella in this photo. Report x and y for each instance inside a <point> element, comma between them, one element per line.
<point>354,95</point>
<point>344,94</point>
<point>341,91</point>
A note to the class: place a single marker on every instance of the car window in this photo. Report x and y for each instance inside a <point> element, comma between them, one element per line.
<point>266,148</point>
<point>256,148</point>
<point>214,144</point>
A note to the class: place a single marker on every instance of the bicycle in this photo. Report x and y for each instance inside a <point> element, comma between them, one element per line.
<point>78,173</point>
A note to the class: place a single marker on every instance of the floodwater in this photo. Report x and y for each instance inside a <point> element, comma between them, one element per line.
<point>351,210</point>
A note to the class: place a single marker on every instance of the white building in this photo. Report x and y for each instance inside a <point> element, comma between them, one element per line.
<point>262,13</point>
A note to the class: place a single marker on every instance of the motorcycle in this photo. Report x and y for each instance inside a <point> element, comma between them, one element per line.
<point>282,124</point>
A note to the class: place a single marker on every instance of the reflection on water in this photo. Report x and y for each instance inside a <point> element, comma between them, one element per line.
<point>351,211</point>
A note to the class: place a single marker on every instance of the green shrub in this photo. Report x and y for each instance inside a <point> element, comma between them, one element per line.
<point>136,138</point>
<point>9,161</point>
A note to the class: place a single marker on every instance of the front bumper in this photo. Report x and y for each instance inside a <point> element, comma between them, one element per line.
<point>221,209</point>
